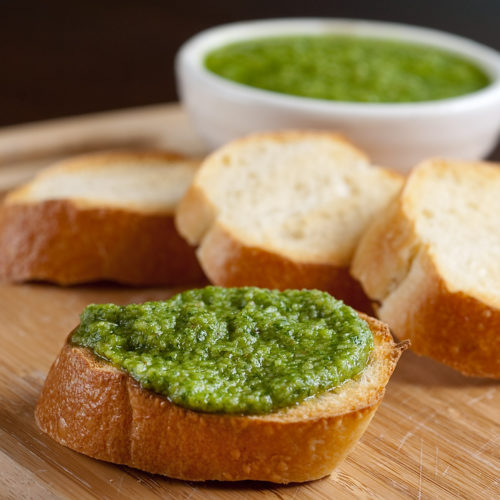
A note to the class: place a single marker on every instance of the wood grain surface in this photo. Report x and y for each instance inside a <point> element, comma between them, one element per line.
<point>436,435</point>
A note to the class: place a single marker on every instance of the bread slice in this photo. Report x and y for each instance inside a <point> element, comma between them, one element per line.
<point>284,210</point>
<point>92,407</point>
<point>105,216</point>
<point>432,262</point>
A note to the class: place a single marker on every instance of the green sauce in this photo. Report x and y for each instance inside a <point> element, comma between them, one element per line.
<point>232,350</point>
<point>343,68</point>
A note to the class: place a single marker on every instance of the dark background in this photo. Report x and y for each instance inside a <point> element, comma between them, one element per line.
<point>60,58</point>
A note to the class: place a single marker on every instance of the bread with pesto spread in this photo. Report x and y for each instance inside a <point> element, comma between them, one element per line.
<point>106,216</point>
<point>432,264</point>
<point>284,210</point>
<point>97,409</point>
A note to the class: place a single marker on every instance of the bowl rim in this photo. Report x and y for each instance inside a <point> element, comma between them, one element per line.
<point>191,54</point>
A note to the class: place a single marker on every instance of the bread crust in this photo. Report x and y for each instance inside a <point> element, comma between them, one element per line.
<point>92,407</point>
<point>229,262</point>
<point>398,272</point>
<point>230,259</point>
<point>71,240</point>
<point>58,241</point>
<point>450,327</point>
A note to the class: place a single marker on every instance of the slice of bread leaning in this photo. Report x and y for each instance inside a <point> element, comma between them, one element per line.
<point>284,210</point>
<point>97,409</point>
<point>106,216</point>
<point>432,262</point>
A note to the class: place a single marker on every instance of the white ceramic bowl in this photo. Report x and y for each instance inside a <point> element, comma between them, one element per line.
<point>397,135</point>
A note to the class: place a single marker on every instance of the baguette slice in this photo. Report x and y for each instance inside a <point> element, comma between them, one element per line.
<point>284,210</point>
<point>105,216</point>
<point>95,408</point>
<point>432,262</point>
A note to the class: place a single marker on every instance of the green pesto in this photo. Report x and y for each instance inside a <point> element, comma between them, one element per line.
<point>232,350</point>
<point>347,68</point>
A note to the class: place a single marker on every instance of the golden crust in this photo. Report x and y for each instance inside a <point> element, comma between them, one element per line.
<point>194,214</point>
<point>69,241</point>
<point>58,241</point>
<point>398,272</point>
<point>97,409</point>
<point>229,262</point>
<point>450,327</point>
<point>384,255</point>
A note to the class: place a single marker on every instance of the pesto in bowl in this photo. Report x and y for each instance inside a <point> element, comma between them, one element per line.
<point>347,68</point>
<point>232,350</point>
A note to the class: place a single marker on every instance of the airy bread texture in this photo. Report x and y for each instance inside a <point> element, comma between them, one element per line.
<point>92,407</point>
<point>105,216</point>
<point>432,262</point>
<point>284,210</point>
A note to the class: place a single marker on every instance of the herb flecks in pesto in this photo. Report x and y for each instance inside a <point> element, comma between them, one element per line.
<point>347,68</point>
<point>232,350</point>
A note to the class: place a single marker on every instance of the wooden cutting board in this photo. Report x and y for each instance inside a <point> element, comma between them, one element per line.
<point>436,435</point>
